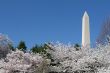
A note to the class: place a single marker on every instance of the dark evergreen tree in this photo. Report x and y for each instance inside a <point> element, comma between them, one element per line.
<point>41,49</point>
<point>22,46</point>
<point>11,47</point>
<point>38,49</point>
<point>77,47</point>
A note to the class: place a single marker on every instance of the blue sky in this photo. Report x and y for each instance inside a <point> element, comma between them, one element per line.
<point>40,21</point>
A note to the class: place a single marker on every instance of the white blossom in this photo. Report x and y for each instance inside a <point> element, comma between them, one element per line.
<point>21,62</point>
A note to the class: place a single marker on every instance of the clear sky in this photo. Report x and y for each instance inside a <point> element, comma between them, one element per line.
<point>40,21</point>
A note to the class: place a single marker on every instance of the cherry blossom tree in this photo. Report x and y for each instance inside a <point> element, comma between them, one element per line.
<point>104,33</point>
<point>5,43</point>
<point>20,62</point>
<point>64,59</point>
<point>68,60</point>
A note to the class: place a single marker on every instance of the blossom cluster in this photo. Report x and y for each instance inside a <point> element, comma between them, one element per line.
<point>85,60</point>
<point>64,59</point>
<point>20,62</point>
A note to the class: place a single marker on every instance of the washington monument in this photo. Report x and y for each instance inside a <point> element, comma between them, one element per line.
<point>85,31</point>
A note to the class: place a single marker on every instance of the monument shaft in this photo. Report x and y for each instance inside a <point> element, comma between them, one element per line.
<point>85,31</point>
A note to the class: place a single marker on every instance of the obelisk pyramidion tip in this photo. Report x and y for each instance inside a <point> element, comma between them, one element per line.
<point>85,14</point>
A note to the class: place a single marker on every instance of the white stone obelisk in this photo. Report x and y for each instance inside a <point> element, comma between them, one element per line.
<point>85,31</point>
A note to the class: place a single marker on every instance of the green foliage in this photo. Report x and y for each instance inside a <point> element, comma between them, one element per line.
<point>38,49</point>
<point>22,46</point>
<point>41,49</point>
<point>11,47</point>
<point>77,47</point>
